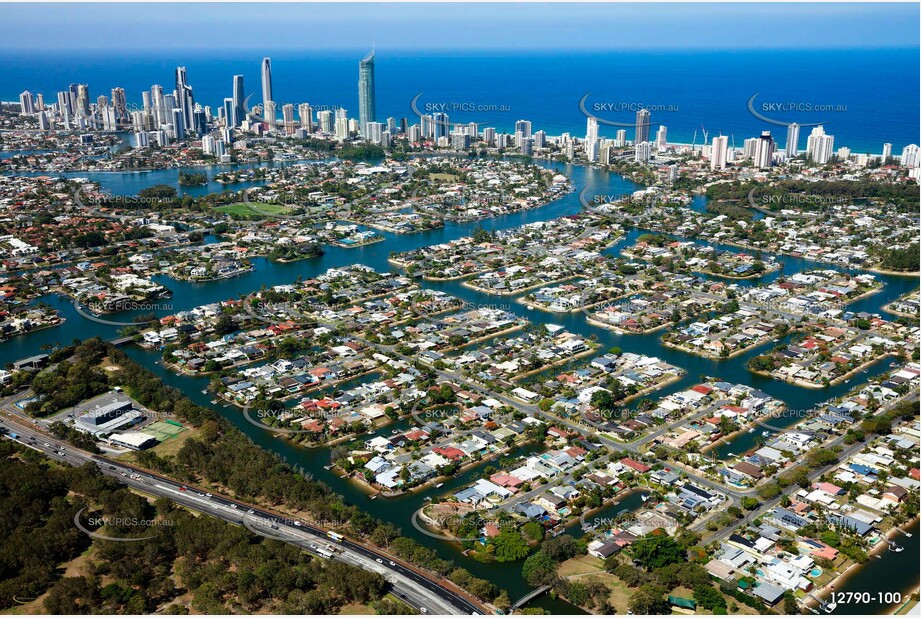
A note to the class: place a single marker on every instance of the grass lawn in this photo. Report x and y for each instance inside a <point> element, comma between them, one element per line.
<point>356,609</point>
<point>581,565</point>
<point>253,209</point>
<point>443,177</point>
<point>584,567</point>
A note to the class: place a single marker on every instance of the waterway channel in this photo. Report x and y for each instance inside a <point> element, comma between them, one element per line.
<point>398,511</point>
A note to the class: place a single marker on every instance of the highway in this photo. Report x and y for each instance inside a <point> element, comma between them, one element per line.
<point>417,589</point>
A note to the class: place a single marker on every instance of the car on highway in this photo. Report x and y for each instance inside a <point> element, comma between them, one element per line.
<point>46,444</point>
<point>379,561</point>
<point>423,610</point>
<point>183,488</point>
<point>233,506</point>
<point>208,496</point>
<point>392,563</point>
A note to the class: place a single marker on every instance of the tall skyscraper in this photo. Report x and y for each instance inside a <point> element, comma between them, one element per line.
<point>325,118</point>
<point>792,146</point>
<point>591,129</point>
<point>621,139</point>
<point>156,97</point>
<point>270,115</point>
<point>719,152</point>
<point>83,100</point>
<point>887,152</point>
<point>764,151</point>
<point>64,107</point>
<point>643,152</point>
<point>305,115</point>
<point>178,124</point>
<point>366,111</point>
<point>229,112</point>
<point>441,124</point>
<point>238,112</point>
<point>287,114</point>
<point>540,139</point>
<point>642,127</point>
<point>266,82</point>
<point>342,124</point>
<point>524,126</point>
<point>820,146</point>
<point>591,139</point>
<point>120,103</point>
<point>184,98</point>
<point>26,104</point>
<point>661,137</point>
<point>910,156</point>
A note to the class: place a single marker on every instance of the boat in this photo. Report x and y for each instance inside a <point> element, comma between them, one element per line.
<point>438,485</point>
<point>530,307</point>
<point>732,454</point>
<point>752,430</point>
<point>204,391</point>
<point>213,401</point>
<point>644,498</point>
<point>765,433</point>
<point>830,607</point>
<point>908,534</point>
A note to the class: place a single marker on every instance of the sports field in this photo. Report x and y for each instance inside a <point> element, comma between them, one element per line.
<point>253,209</point>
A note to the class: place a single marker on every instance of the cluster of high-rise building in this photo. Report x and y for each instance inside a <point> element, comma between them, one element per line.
<point>165,117</point>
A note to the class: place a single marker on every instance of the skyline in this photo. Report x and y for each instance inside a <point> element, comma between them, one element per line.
<point>643,77</point>
<point>488,26</point>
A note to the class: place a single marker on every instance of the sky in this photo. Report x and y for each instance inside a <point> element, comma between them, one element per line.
<point>470,26</point>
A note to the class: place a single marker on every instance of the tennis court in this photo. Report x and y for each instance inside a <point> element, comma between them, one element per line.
<point>164,430</point>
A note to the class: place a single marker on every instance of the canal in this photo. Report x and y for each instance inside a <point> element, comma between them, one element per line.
<point>399,510</point>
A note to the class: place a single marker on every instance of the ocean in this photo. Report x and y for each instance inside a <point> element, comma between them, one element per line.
<point>866,97</point>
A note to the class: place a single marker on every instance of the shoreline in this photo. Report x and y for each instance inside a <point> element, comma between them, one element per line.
<point>842,578</point>
<point>714,357</point>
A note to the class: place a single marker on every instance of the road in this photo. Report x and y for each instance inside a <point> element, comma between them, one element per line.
<point>420,590</point>
<point>813,475</point>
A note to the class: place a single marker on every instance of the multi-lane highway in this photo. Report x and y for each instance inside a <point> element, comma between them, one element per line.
<point>418,589</point>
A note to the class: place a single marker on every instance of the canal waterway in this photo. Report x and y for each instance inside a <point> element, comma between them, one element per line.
<point>398,510</point>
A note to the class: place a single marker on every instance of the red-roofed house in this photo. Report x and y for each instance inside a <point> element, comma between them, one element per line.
<point>635,465</point>
<point>449,452</point>
<point>829,488</point>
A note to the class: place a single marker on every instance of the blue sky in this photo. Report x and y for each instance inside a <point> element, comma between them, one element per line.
<point>458,26</point>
